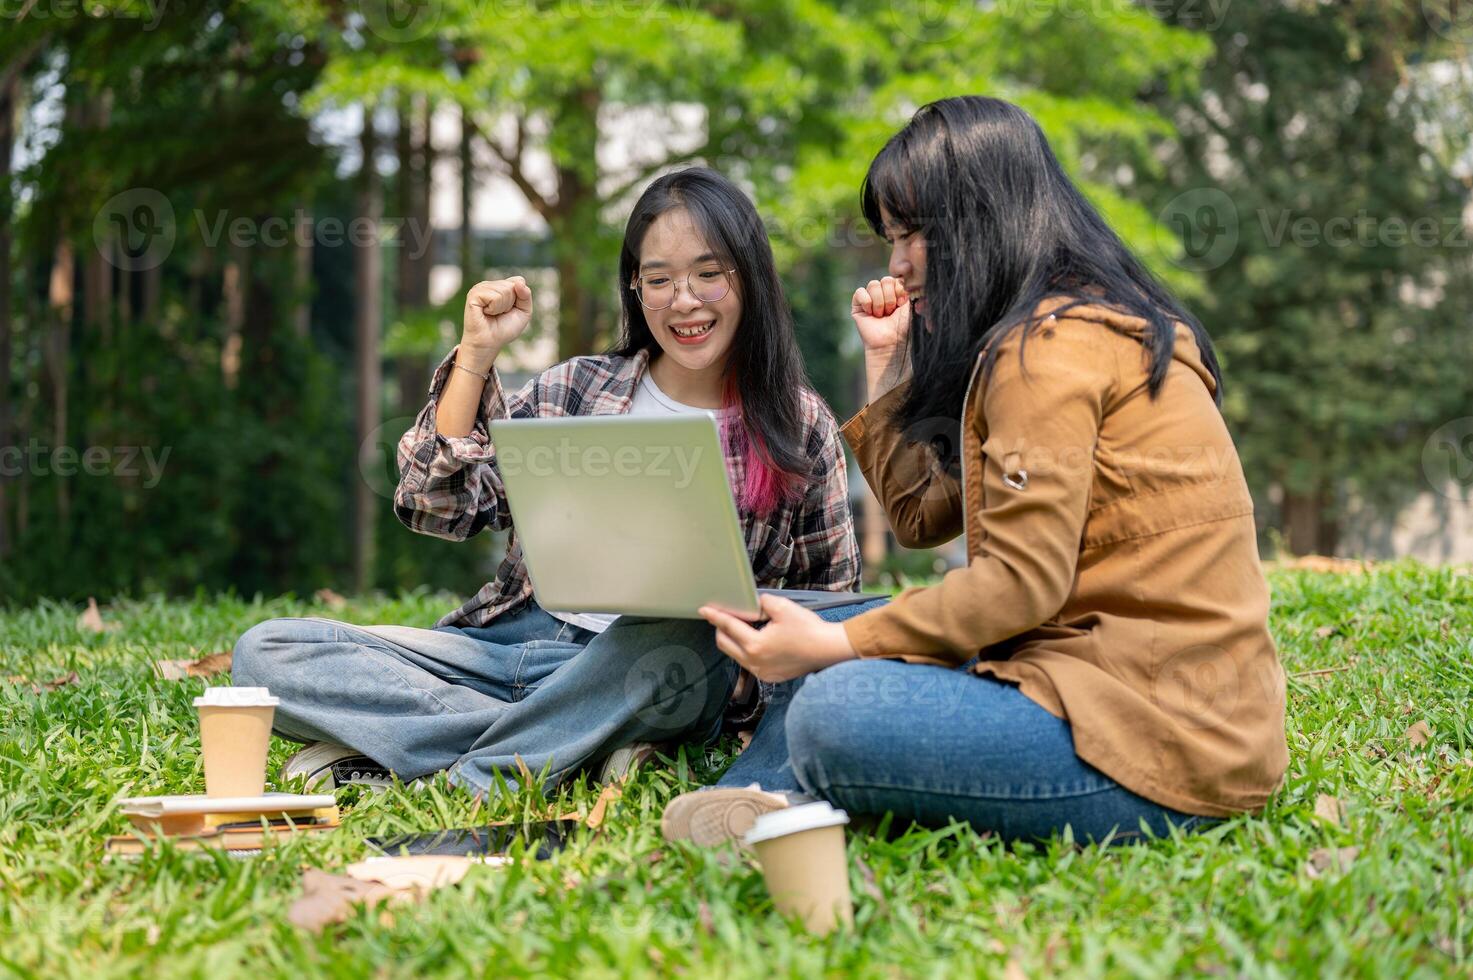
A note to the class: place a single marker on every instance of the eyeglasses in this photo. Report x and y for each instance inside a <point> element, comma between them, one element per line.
<point>658,291</point>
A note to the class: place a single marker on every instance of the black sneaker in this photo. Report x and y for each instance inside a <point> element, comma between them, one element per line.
<point>328,765</point>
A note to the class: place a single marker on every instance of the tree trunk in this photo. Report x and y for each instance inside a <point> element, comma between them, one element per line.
<point>153,289</point>
<point>97,387</point>
<point>123,308</point>
<point>233,288</point>
<point>424,258</point>
<point>573,222</point>
<point>97,270</point>
<point>8,100</point>
<point>470,268</point>
<point>368,281</point>
<point>416,163</point>
<point>302,275</point>
<point>1309,522</point>
<point>32,351</point>
<point>404,152</point>
<point>61,301</point>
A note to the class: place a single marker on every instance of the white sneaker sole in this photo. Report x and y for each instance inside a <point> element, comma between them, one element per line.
<point>318,761</point>
<point>714,816</point>
<point>624,762</point>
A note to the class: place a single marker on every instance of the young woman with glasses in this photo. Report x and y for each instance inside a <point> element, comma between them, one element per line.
<point>501,683</point>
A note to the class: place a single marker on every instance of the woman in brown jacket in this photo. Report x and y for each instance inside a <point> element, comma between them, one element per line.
<point>1103,661</point>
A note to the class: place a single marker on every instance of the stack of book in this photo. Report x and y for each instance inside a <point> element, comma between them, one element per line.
<point>237,823</point>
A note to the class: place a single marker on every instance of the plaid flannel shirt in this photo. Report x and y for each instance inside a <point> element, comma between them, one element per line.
<point>450,486</point>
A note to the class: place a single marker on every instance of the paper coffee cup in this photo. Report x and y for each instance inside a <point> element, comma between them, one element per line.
<point>234,735</point>
<point>801,849</point>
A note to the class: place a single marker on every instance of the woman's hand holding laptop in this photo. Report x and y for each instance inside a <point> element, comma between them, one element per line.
<point>795,641</point>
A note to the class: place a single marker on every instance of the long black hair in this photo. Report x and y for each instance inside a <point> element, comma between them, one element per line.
<point>1004,228</point>
<point>765,376</point>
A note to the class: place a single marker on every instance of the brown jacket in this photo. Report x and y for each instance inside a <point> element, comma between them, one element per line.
<point>1113,570</point>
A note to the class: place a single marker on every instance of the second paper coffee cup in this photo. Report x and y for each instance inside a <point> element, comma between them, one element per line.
<point>234,735</point>
<point>801,849</point>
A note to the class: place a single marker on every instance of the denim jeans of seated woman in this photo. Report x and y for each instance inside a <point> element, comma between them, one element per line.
<point>934,744</point>
<point>527,690</point>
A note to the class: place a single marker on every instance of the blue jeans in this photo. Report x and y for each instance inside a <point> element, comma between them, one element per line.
<point>935,744</point>
<point>473,700</point>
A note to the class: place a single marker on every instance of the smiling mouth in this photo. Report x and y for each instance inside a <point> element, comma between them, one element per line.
<point>693,331</point>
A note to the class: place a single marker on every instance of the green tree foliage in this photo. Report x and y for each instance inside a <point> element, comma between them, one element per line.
<point>1317,192</point>
<point>182,147</point>
<point>222,111</point>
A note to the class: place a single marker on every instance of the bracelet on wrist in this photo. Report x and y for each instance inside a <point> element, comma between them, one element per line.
<point>484,377</point>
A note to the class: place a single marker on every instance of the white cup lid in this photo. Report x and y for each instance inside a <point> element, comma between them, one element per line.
<point>795,820</point>
<point>237,697</point>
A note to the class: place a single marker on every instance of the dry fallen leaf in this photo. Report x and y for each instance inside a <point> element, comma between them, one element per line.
<point>867,878</point>
<point>1314,677</point>
<point>1325,859</point>
<point>1330,809</point>
<point>419,873</point>
<point>68,678</point>
<point>523,773</point>
<point>708,922</point>
<point>1323,563</point>
<point>609,794</point>
<point>1419,734</point>
<point>328,898</point>
<point>1326,631</point>
<point>91,619</point>
<point>1013,971</point>
<point>1051,949</point>
<point>210,665</point>
<point>329,598</point>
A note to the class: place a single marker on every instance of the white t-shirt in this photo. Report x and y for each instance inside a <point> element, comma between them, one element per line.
<point>648,400</point>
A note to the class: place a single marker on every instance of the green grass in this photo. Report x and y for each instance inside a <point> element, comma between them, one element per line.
<point>943,902</point>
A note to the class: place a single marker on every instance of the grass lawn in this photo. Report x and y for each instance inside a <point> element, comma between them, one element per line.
<point>1395,648</point>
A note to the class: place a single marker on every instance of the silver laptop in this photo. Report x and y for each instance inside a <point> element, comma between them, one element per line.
<point>631,515</point>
